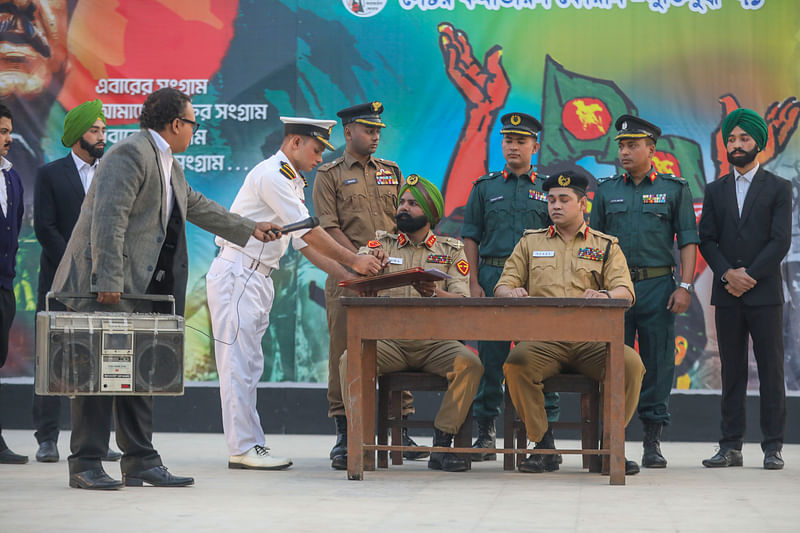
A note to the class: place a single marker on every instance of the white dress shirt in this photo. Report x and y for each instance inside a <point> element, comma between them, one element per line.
<point>268,196</point>
<point>165,156</point>
<point>5,164</point>
<point>743,182</point>
<point>85,171</point>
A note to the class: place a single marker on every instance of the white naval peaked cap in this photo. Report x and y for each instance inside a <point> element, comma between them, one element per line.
<point>311,127</point>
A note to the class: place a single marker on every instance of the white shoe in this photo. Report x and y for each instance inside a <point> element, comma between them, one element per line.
<point>258,458</point>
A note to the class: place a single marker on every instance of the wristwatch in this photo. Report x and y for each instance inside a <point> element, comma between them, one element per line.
<point>688,286</point>
<point>723,280</point>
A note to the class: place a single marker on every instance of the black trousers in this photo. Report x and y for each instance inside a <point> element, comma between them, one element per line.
<point>8,308</point>
<point>133,415</point>
<point>764,325</point>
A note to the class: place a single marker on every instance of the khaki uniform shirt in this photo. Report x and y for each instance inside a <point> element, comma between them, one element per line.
<point>442,253</point>
<point>546,264</point>
<point>358,200</point>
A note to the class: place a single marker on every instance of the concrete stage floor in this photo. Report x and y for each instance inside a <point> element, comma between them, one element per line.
<point>311,497</point>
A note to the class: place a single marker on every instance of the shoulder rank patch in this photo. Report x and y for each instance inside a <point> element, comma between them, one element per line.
<point>463,267</point>
<point>431,241</point>
<point>440,259</point>
<point>537,195</point>
<point>373,244</point>
<point>385,177</point>
<point>660,198</point>
<point>286,170</point>
<point>593,254</point>
<point>401,240</point>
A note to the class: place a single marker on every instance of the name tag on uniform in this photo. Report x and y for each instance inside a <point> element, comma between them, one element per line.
<point>395,260</point>
<point>350,181</point>
<point>495,199</point>
<point>617,201</point>
<point>385,177</point>
<point>544,253</point>
<point>654,198</point>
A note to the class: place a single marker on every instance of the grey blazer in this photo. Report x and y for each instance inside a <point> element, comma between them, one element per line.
<point>118,236</point>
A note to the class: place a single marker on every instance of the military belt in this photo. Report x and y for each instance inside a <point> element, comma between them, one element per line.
<point>495,261</point>
<point>643,273</point>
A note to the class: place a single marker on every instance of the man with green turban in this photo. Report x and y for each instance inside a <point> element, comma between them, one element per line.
<point>58,194</point>
<point>414,245</point>
<point>745,232</point>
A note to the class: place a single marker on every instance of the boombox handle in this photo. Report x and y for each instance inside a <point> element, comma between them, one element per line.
<point>146,297</point>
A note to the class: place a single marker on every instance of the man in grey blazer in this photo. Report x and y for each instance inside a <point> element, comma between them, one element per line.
<point>130,238</point>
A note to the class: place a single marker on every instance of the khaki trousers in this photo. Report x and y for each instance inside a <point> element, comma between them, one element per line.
<point>449,359</point>
<point>530,363</point>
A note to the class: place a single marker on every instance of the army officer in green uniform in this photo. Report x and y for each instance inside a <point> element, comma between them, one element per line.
<point>648,211</point>
<point>501,206</point>
<point>414,245</point>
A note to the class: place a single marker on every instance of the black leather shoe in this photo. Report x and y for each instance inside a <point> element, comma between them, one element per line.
<point>487,434</point>
<point>773,460</point>
<point>339,462</point>
<point>47,452</point>
<point>449,462</point>
<point>340,447</point>
<point>7,457</point>
<point>631,468</point>
<point>724,457</point>
<point>652,456</point>
<point>112,455</point>
<point>533,464</point>
<point>412,456</point>
<point>94,480</point>
<point>158,476</point>
<point>549,462</point>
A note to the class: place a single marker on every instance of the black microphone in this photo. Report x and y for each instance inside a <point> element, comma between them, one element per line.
<point>310,222</point>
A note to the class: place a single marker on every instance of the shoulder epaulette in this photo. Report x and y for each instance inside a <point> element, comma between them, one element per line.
<point>381,234</point>
<point>602,235</point>
<point>486,177</point>
<point>532,231</point>
<point>607,179</point>
<point>330,164</point>
<point>387,162</point>
<point>673,177</point>
<point>451,241</point>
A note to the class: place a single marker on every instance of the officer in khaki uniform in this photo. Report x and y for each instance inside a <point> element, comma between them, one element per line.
<point>354,196</point>
<point>648,211</point>
<point>501,206</point>
<point>420,208</point>
<point>565,260</point>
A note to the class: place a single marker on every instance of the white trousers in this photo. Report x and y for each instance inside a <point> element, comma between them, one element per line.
<point>239,301</point>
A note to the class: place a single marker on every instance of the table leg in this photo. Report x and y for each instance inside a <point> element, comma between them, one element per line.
<point>368,377</point>
<point>355,409</point>
<point>615,395</point>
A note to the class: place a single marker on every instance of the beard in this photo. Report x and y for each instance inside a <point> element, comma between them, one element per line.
<point>94,151</point>
<point>740,158</point>
<point>408,224</point>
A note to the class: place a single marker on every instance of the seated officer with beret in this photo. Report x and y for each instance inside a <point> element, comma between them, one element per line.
<point>565,260</point>
<point>420,207</point>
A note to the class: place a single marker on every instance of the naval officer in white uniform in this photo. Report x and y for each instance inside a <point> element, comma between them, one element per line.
<point>239,287</point>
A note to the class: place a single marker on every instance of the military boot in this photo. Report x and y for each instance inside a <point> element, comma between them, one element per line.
<point>549,462</point>
<point>652,457</point>
<point>487,435</point>
<point>408,441</point>
<point>449,462</point>
<point>339,450</point>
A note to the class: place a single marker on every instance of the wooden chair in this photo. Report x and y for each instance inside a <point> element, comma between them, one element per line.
<point>390,388</point>
<point>589,424</point>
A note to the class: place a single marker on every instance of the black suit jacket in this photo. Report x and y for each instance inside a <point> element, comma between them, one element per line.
<point>758,240</point>
<point>57,198</point>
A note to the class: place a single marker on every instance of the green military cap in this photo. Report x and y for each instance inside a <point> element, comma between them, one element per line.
<point>310,127</point>
<point>520,124</point>
<point>368,114</point>
<point>80,119</point>
<point>631,127</point>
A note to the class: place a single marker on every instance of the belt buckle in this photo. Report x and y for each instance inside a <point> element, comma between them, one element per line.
<point>634,273</point>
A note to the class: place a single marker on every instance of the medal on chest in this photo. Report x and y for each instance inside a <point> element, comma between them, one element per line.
<point>385,177</point>
<point>440,259</point>
<point>660,198</point>
<point>537,195</point>
<point>592,254</point>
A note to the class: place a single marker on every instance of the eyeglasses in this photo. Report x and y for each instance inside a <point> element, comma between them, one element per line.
<point>195,125</point>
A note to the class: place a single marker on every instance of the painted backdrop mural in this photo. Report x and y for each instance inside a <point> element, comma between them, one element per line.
<point>444,70</point>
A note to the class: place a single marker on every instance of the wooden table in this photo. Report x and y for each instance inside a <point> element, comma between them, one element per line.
<point>492,319</point>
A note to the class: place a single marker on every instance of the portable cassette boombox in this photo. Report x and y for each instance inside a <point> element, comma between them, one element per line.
<point>85,353</point>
